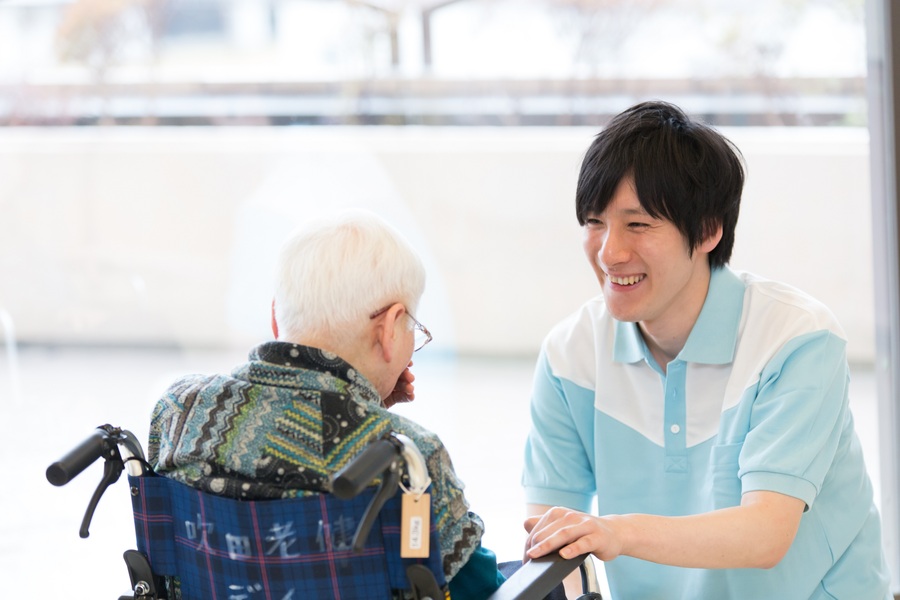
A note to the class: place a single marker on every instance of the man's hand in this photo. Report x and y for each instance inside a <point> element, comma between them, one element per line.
<point>572,533</point>
<point>404,391</point>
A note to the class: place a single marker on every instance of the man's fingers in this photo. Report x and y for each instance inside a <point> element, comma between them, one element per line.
<point>561,529</point>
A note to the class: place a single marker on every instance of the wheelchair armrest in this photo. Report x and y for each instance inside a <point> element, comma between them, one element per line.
<point>537,578</point>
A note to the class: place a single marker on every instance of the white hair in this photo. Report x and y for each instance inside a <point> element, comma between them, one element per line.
<point>333,273</point>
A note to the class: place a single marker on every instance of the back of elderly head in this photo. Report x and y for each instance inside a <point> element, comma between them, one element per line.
<point>334,273</point>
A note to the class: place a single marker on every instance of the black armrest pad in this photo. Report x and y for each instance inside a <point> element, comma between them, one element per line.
<point>537,578</point>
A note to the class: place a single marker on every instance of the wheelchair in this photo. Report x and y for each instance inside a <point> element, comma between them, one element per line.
<point>347,544</point>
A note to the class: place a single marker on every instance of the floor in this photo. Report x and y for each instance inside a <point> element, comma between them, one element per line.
<point>52,398</point>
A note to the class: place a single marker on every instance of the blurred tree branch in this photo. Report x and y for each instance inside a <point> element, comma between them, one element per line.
<point>601,27</point>
<point>97,32</point>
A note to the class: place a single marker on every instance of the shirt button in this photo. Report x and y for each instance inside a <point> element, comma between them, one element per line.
<point>675,428</point>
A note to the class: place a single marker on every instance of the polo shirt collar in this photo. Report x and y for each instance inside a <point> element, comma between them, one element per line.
<point>714,335</point>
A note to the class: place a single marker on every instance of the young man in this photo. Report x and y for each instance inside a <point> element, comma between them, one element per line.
<point>281,424</point>
<point>706,410</point>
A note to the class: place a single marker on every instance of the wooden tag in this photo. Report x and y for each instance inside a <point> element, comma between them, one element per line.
<point>415,526</point>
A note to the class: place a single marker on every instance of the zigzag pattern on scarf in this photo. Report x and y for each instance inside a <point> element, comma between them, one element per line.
<point>287,448</point>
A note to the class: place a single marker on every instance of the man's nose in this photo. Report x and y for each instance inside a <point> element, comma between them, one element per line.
<point>614,249</point>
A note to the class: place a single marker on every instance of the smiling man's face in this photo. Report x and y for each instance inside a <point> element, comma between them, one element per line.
<point>644,265</point>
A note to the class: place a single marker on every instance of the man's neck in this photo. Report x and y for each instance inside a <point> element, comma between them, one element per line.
<point>662,354</point>
<point>666,338</point>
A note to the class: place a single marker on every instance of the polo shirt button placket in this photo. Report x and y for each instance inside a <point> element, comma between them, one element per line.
<point>676,444</point>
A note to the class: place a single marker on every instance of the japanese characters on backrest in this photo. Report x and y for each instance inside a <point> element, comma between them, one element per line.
<point>228,549</point>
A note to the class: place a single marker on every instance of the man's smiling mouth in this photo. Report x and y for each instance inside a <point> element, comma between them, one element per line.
<point>626,280</point>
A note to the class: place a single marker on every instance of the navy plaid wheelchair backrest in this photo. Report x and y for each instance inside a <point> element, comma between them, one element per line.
<point>293,549</point>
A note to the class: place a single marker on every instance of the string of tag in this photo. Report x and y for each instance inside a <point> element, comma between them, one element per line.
<point>416,468</point>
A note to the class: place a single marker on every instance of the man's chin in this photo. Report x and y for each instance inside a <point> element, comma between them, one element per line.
<point>626,314</point>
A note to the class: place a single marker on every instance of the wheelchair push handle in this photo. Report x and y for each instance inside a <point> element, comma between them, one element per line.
<point>79,458</point>
<point>103,443</point>
<point>369,465</point>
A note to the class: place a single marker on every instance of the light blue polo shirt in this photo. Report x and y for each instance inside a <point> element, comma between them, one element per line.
<point>756,400</point>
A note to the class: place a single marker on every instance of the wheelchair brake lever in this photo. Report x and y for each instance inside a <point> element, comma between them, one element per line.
<point>112,469</point>
<point>390,481</point>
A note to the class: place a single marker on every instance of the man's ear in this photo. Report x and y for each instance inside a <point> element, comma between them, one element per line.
<point>712,240</point>
<point>386,331</point>
<point>274,322</point>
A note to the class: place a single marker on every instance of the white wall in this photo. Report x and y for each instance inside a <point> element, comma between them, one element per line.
<point>166,236</point>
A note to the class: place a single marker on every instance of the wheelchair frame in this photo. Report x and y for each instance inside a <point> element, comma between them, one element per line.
<point>381,461</point>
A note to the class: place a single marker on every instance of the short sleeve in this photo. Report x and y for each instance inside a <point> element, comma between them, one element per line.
<point>558,469</point>
<point>797,418</point>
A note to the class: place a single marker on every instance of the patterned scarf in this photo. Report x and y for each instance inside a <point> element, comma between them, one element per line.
<point>282,423</point>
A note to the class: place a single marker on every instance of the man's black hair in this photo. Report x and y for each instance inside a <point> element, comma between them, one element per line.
<point>683,171</point>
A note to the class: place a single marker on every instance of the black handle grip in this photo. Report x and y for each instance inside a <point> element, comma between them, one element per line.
<point>81,457</point>
<point>371,463</point>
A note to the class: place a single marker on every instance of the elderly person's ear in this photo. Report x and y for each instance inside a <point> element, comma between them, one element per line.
<point>386,327</point>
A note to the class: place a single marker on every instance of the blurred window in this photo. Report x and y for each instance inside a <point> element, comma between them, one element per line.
<point>428,62</point>
<point>195,18</point>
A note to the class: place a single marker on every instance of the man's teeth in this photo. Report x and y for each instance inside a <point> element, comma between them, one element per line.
<point>626,280</point>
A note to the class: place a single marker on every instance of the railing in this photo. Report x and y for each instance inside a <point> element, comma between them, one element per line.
<point>416,101</point>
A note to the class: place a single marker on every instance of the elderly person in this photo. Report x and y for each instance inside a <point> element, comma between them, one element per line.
<point>302,406</point>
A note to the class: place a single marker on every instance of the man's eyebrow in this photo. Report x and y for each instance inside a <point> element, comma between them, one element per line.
<point>639,211</point>
<point>635,211</point>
